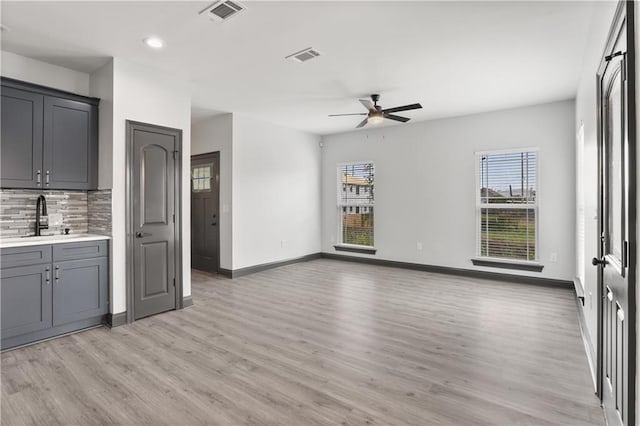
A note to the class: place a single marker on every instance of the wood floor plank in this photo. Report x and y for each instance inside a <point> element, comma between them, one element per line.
<point>317,343</point>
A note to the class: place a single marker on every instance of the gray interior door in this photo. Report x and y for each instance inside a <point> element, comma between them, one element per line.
<point>617,316</point>
<point>205,190</point>
<point>153,216</point>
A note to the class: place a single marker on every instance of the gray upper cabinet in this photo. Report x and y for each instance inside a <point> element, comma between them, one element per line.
<point>21,149</point>
<point>70,151</point>
<point>49,138</point>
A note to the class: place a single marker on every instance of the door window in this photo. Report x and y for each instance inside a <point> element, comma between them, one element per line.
<point>201,177</point>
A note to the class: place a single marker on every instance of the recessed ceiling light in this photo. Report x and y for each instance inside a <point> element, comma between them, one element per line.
<point>154,42</point>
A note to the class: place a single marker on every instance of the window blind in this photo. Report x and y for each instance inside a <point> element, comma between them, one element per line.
<point>356,198</point>
<point>507,205</point>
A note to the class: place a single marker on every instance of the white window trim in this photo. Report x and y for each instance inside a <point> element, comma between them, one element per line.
<point>340,205</point>
<point>480,206</point>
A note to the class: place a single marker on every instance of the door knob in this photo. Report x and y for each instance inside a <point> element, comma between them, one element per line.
<point>595,262</point>
<point>141,235</point>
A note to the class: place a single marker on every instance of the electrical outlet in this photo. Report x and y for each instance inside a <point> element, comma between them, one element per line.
<point>553,257</point>
<point>419,246</point>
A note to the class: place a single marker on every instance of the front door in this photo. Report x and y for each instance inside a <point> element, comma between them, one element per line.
<point>205,190</point>
<point>617,170</point>
<point>153,156</point>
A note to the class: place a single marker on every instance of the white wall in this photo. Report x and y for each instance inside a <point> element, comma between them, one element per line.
<point>37,72</point>
<point>210,135</point>
<point>101,86</point>
<point>146,95</point>
<point>425,184</point>
<point>586,114</point>
<point>276,199</point>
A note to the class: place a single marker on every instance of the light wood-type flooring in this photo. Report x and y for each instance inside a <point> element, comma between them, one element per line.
<point>319,343</point>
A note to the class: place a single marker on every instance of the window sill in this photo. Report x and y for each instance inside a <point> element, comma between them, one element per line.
<point>508,264</point>
<point>355,249</point>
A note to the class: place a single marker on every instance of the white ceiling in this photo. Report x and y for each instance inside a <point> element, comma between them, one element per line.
<point>453,57</point>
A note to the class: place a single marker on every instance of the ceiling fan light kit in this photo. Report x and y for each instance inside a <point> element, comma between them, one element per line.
<point>375,119</point>
<point>376,114</point>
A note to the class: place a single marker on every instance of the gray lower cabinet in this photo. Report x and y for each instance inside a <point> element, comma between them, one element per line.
<point>55,294</point>
<point>80,290</point>
<point>26,300</point>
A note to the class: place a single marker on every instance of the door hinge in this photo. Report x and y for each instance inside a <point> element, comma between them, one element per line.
<point>175,154</point>
<point>613,55</point>
<point>174,218</point>
<point>174,282</point>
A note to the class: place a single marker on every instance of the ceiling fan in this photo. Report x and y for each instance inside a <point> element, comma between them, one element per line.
<point>376,114</point>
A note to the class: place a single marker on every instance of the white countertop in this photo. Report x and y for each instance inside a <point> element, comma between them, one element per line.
<point>49,239</point>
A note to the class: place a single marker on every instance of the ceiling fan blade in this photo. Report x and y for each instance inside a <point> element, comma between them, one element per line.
<point>402,108</point>
<point>340,115</point>
<point>396,117</point>
<point>367,104</point>
<point>362,123</point>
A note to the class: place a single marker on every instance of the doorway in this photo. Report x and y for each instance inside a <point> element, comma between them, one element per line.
<point>617,222</point>
<point>153,198</point>
<point>205,214</point>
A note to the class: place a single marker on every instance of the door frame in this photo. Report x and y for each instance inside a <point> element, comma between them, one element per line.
<point>198,157</point>
<point>131,126</point>
<point>624,14</point>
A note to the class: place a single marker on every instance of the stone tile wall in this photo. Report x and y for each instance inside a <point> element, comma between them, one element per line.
<point>18,211</point>
<point>99,212</point>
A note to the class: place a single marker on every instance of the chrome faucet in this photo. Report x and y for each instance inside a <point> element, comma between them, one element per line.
<point>41,209</point>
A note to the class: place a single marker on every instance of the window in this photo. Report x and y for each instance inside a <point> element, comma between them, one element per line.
<point>355,210</point>
<point>507,205</point>
<point>201,178</point>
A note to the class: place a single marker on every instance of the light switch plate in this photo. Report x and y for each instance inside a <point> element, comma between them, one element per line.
<point>55,219</point>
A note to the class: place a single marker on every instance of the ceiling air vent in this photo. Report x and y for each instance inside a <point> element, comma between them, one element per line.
<point>304,55</point>
<point>223,10</point>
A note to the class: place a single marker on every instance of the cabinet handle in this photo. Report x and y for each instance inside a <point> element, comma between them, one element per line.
<point>46,178</point>
<point>48,275</point>
<point>57,272</point>
<point>38,173</point>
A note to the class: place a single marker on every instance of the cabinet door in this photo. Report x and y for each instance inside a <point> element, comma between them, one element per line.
<point>80,290</point>
<point>21,139</point>
<point>26,299</point>
<point>70,144</point>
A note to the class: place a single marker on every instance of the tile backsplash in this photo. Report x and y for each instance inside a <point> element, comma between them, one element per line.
<point>99,211</point>
<point>18,211</point>
<point>81,211</point>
